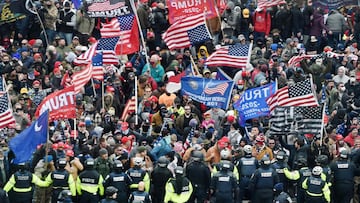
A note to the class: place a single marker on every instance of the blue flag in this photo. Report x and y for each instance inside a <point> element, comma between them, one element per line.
<point>212,93</point>
<point>24,144</point>
<point>221,75</point>
<point>252,103</point>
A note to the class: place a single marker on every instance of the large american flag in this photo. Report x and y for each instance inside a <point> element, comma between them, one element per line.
<point>129,108</point>
<point>309,119</point>
<point>79,79</point>
<point>122,29</point>
<point>6,115</point>
<point>85,58</point>
<point>269,3</point>
<point>220,88</point>
<point>106,46</point>
<point>236,56</point>
<point>97,67</point>
<point>298,94</point>
<point>188,31</point>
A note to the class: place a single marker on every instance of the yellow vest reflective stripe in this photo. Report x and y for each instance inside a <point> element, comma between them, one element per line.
<point>90,188</point>
<point>22,189</point>
<point>314,194</point>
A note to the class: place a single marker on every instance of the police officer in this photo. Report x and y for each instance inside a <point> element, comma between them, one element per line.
<point>262,182</point>
<point>323,161</point>
<point>120,180</point>
<point>343,173</point>
<point>247,165</point>
<point>140,195</point>
<point>280,195</point>
<point>158,178</point>
<point>178,189</point>
<point>138,174</point>
<point>302,172</point>
<point>90,183</point>
<point>223,186</point>
<point>60,180</point>
<point>279,166</point>
<point>21,184</point>
<point>200,176</point>
<point>225,156</point>
<point>316,189</point>
<point>111,195</point>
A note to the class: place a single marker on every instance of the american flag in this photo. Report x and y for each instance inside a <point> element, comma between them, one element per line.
<point>188,31</point>
<point>269,3</point>
<point>188,141</point>
<point>236,56</point>
<point>85,58</point>
<point>6,115</point>
<point>309,119</point>
<point>297,59</point>
<point>79,79</point>
<point>219,88</point>
<point>109,57</point>
<point>122,33</point>
<point>97,66</point>
<point>279,120</point>
<point>129,108</point>
<point>298,94</point>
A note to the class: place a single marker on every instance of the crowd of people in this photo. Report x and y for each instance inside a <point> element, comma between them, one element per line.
<point>107,157</point>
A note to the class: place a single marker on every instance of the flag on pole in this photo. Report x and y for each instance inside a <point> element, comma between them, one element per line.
<point>188,31</point>
<point>109,57</point>
<point>86,57</point>
<point>129,108</point>
<point>279,120</point>
<point>221,75</point>
<point>97,66</point>
<point>236,56</point>
<point>6,115</point>
<point>269,3</point>
<point>298,94</point>
<point>24,144</point>
<point>79,79</point>
<point>309,119</point>
<point>124,32</point>
<point>188,141</point>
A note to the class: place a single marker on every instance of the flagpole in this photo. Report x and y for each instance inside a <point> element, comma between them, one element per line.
<point>136,103</point>
<point>33,10</point>
<point>132,3</point>
<point>322,126</point>
<point>195,67</point>
<point>93,87</point>
<point>102,95</point>
<point>75,133</point>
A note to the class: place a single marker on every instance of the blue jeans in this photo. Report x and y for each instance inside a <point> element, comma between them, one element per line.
<point>67,36</point>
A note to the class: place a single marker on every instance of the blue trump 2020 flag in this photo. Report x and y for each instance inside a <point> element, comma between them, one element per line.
<point>252,104</point>
<point>212,93</point>
<point>24,144</point>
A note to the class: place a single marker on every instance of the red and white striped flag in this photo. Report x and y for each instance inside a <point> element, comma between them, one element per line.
<point>79,79</point>
<point>188,31</point>
<point>110,57</point>
<point>269,3</point>
<point>129,108</point>
<point>6,114</point>
<point>297,59</point>
<point>85,58</point>
<point>236,56</point>
<point>97,67</point>
<point>298,94</point>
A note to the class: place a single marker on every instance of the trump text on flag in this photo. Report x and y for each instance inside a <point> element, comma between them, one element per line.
<point>106,8</point>
<point>253,104</point>
<point>183,8</point>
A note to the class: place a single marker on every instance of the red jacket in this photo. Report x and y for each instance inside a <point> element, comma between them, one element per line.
<point>262,22</point>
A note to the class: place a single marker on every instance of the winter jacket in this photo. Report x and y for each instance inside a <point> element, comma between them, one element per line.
<point>317,25</point>
<point>262,22</point>
<point>336,22</point>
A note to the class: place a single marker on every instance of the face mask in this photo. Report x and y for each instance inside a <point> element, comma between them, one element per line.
<point>67,10</point>
<point>240,87</point>
<point>49,6</point>
<point>36,89</point>
<point>63,125</point>
<point>342,89</point>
